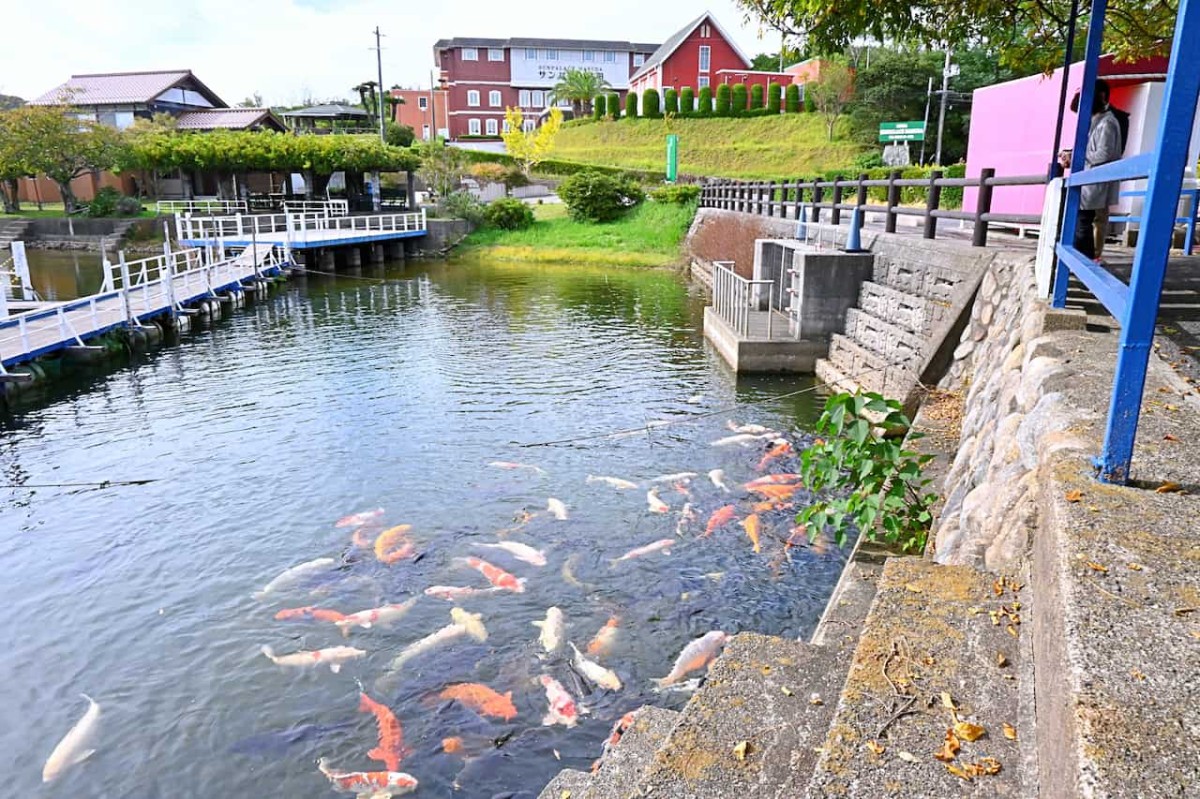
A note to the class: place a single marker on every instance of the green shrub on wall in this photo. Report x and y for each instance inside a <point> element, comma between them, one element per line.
<point>631,105</point>
<point>681,194</point>
<point>756,96</point>
<point>687,101</point>
<point>671,102</point>
<point>810,106</point>
<point>791,102</point>
<point>704,103</point>
<point>737,100</point>
<point>723,100</point>
<point>650,104</point>
<point>598,107</point>
<point>774,97</point>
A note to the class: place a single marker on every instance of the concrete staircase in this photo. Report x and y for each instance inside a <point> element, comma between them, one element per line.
<point>12,230</point>
<point>902,655</point>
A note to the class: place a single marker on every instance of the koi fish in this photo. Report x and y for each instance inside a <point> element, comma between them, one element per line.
<point>522,552</point>
<point>393,544</point>
<point>461,624</point>
<point>649,549</point>
<point>780,449</point>
<point>333,657</point>
<point>359,519</point>
<point>453,593</point>
<point>696,655</point>
<point>615,482</point>
<point>696,399</point>
<point>362,537</point>
<point>717,476</point>
<point>682,488</point>
<point>482,699</point>
<point>452,745</point>
<point>383,616</point>
<point>779,493</point>
<point>494,574</point>
<point>764,507</point>
<point>294,575</point>
<point>369,784</point>
<point>674,478</point>
<point>552,630</point>
<point>391,749</point>
<point>512,466</point>
<point>751,525</point>
<point>748,429</point>
<point>520,519</point>
<point>656,504</point>
<point>309,612</point>
<point>568,573</point>
<point>605,678</point>
<point>603,643</point>
<point>614,737</point>
<point>772,479</point>
<point>686,517</point>
<point>742,439</point>
<point>557,509</point>
<point>721,517</point>
<point>74,748</point>
<point>563,709</point>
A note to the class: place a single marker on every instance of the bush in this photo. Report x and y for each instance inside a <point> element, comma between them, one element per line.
<point>737,100</point>
<point>872,159</point>
<point>756,96</point>
<point>598,107</point>
<point>612,107</point>
<point>723,101</point>
<point>462,205</point>
<point>398,135</point>
<point>508,214</point>
<point>676,195</point>
<point>791,102</point>
<point>810,105</point>
<point>489,173</point>
<point>650,104</point>
<point>109,202</point>
<point>687,101</point>
<point>129,206</point>
<point>595,197</point>
<point>631,105</point>
<point>671,102</point>
<point>774,97</point>
<point>704,105</point>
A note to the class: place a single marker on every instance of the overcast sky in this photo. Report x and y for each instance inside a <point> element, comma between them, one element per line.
<point>289,49</point>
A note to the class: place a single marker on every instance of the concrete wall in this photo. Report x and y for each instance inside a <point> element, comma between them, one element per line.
<point>443,235</point>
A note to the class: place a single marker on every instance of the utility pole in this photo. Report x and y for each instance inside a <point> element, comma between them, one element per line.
<point>379,94</point>
<point>925,126</point>
<point>942,110</point>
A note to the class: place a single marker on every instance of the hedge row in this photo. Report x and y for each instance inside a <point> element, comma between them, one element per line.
<point>731,100</point>
<point>555,167</point>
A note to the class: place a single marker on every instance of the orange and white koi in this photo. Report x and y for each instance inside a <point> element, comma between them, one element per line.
<point>75,747</point>
<point>522,552</point>
<point>770,505</point>
<point>779,449</point>
<point>557,509</point>
<point>563,709</point>
<point>605,678</point>
<point>494,574</point>
<point>742,439</point>
<point>391,749</point>
<point>779,493</point>
<point>686,516</point>
<point>513,466</point>
<point>291,576</point>
<point>615,482</point>
<point>461,624</point>
<point>772,480</point>
<point>717,476</point>
<point>359,519</point>
<point>363,536</point>
<point>482,699</point>
<point>696,655</point>
<point>656,504</point>
<point>309,612</point>
<point>452,745</point>
<point>369,784</point>
<point>333,657</point>
<point>658,546</point>
<point>393,544</point>
<point>682,488</point>
<point>751,525</point>
<point>614,737</point>
<point>602,644</point>
<point>552,629</point>
<point>721,517</point>
<point>381,616</point>
<point>453,593</point>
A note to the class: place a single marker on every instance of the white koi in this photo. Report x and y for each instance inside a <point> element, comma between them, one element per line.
<point>718,479</point>
<point>557,509</point>
<point>522,552</point>
<point>748,429</point>
<point>553,628</point>
<point>513,466</point>
<point>674,478</point>
<point>563,709</point>
<point>686,517</point>
<point>383,615</point>
<point>369,784</point>
<point>741,439</point>
<point>74,748</point>
<point>696,399</point>
<point>658,546</point>
<point>462,624</point>
<point>605,678</point>
<point>294,575</point>
<point>686,686</point>
<point>656,504</point>
<point>615,482</point>
<point>453,593</point>
<point>696,655</point>
<point>333,657</point>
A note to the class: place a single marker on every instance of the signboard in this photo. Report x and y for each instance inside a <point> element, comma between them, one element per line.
<point>672,157</point>
<point>542,72</point>
<point>901,131</point>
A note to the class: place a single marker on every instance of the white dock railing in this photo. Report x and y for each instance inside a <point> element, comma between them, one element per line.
<point>736,300</point>
<point>202,205</point>
<point>15,281</point>
<point>291,227</point>
<point>327,207</point>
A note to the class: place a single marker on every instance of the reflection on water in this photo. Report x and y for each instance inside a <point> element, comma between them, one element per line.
<point>63,274</point>
<point>344,395</point>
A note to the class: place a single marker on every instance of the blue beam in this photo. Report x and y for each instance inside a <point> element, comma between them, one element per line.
<point>1108,288</point>
<point>1132,168</point>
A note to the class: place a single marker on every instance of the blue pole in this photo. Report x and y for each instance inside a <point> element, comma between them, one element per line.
<point>1091,68</point>
<point>1154,245</point>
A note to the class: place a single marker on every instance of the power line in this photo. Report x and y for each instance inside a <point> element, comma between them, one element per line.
<point>102,484</point>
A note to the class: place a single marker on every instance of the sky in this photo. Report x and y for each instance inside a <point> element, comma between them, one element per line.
<point>288,50</point>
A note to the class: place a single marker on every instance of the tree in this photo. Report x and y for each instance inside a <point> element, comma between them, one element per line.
<point>63,147</point>
<point>739,96</point>
<point>791,103</point>
<point>530,147</point>
<point>671,102</point>
<point>704,104</point>
<point>15,157</point>
<point>831,93</point>
<point>398,135</point>
<point>774,97</point>
<point>650,104</point>
<point>252,101</point>
<point>578,87</point>
<point>613,106</point>
<point>631,105</point>
<point>599,107</point>
<point>765,62</point>
<point>367,96</point>
<point>8,101</point>
<point>756,97</point>
<point>442,166</point>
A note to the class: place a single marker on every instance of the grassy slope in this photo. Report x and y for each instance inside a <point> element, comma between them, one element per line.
<point>754,147</point>
<point>649,235</point>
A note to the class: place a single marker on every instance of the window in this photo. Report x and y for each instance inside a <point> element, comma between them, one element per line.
<point>531,54</point>
<point>704,31</point>
<point>473,127</point>
<point>638,59</point>
<point>423,103</point>
<point>493,127</point>
<point>551,55</point>
<point>538,99</point>
<point>523,98</point>
<point>507,127</point>
<point>470,54</point>
<point>705,57</point>
<point>473,98</point>
<point>495,54</point>
<point>589,55</point>
<point>528,125</point>
<point>494,98</point>
<point>425,132</point>
<point>702,82</point>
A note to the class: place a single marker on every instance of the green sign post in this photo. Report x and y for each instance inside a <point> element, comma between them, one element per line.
<point>901,131</point>
<point>672,157</point>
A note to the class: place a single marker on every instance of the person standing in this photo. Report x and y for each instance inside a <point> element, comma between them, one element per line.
<point>1105,144</point>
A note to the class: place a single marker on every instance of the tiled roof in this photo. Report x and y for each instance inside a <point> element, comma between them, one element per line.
<point>327,110</point>
<point>672,44</point>
<point>565,44</point>
<point>119,88</point>
<point>228,118</point>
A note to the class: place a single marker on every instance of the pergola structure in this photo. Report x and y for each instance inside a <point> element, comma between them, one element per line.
<point>329,118</point>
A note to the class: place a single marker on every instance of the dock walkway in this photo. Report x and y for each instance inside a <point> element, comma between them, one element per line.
<point>297,231</point>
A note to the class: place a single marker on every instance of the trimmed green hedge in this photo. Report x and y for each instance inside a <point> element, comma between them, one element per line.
<point>704,103</point>
<point>598,106</point>
<point>952,197</point>
<point>791,104</point>
<point>631,105</point>
<point>724,101</point>
<point>756,96</point>
<point>650,106</point>
<point>687,101</point>
<point>671,102</point>
<point>612,108</point>
<point>739,96</point>
<point>774,97</point>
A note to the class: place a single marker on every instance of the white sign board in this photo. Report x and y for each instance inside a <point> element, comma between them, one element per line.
<point>544,73</point>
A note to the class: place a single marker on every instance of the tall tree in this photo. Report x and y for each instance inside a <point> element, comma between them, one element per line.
<point>65,147</point>
<point>16,150</point>
<point>831,92</point>
<point>578,87</point>
<point>530,147</point>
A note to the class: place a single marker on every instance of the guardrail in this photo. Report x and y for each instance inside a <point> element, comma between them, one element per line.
<point>805,201</point>
<point>294,227</point>
<point>209,205</point>
<point>1188,221</point>
<point>735,298</point>
<point>327,207</point>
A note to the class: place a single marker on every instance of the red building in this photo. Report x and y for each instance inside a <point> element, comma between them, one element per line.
<point>426,111</point>
<point>483,77</point>
<point>692,57</point>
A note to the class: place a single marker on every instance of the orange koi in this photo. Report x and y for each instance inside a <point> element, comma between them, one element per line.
<point>777,493</point>
<point>614,737</point>
<point>309,612</point>
<point>800,530</point>
<point>721,517</point>
<point>604,640</point>
<point>393,544</point>
<point>358,519</point>
<point>750,523</point>
<point>391,749</point>
<point>362,536</point>
<point>452,745</point>
<point>369,783</point>
<point>772,479</point>
<point>778,451</point>
<point>482,700</point>
<point>494,574</point>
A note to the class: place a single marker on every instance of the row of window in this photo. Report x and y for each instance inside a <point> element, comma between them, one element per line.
<point>534,54</point>
<point>476,127</point>
<point>527,98</point>
<point>494,99</point>
<point>472,54</point>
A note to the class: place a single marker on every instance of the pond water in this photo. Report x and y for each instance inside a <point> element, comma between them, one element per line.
<point>393,390</point>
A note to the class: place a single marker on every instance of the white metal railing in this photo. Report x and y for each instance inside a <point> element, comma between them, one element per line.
<point>301,227</point>
<point>203,205</point>
<point>130,274</point>
<point>736,300</point>
<point>327,207</point>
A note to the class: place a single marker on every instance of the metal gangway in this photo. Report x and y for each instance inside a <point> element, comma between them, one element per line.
<point>215,206</point>
<point>292,231</point>
<point>748,307</point>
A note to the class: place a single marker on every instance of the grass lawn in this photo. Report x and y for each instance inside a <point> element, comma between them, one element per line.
<point>55,210</point>
<point>648,235</point>
<point>775,147</point>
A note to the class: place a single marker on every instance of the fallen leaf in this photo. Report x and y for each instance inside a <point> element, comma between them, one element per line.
<point>998,587</point>
<point>1135,567</point>
<point>1168,488</point>
<point>947,701</point>
<point>968,731</point>
<point>740,750</point>
<point>916,589</point>
<point>989,765</point>
<point>1073,496</point>
<point>1170,407</point>
<point>1137,675</point>
<point>815,699</point>
<point>974,611</point>
<point>1185,611</point>
<point>876,748</point>
<point>785,690</point>
<point>995,616</point>
<point>1169,437</point>
<point>929,660</point>
<point>908,757</point>
<point>1195,634</point>
<point>1012,631</point>
<point>1094,566</point>
<point>958,772</point>
<point>949,748</point>
<point>565,795</point>
<point>1001,660</point>
<point>1010,732</point>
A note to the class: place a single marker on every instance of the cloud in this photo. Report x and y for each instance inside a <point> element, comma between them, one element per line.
<point>289,49</point>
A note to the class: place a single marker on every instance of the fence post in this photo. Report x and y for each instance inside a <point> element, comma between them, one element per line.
<point>932,202</point>
<point>771,199</point>
<point>836,217</point>
<point>983,205</point>
<point>818,196</point>
<point>861,200</point>
<point>21,267</point>
<point>893,200</point>
<point>125,288</point>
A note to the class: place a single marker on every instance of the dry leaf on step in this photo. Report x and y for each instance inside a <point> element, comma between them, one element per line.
<point>1094,566</point>
<point>740,750</point>
<point>958,772</point>
<point>947,701</point>
<point>875,747</point>
<point>968,731</point>
<point>909,757</point>
<point>1074,496</point>
<point>1168,488</point>
<point>1010,732</point>
<point>1001,660</point>
<point>949,748</point>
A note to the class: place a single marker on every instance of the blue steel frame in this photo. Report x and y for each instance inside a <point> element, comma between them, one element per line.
<point>1135,306</point>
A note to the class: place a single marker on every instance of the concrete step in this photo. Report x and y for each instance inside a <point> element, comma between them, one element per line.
<point>930,643</point>
<point>913,312</point>
<point>12,230</point>
<point>894,342</point>
<point>567,783</point>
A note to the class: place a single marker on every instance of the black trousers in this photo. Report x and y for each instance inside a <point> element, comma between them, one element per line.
<point>1085,238</point>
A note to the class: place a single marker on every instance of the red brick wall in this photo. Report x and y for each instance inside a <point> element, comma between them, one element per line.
<point>83,187</point>
<point>682,68</point>
<point>410,112</point>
